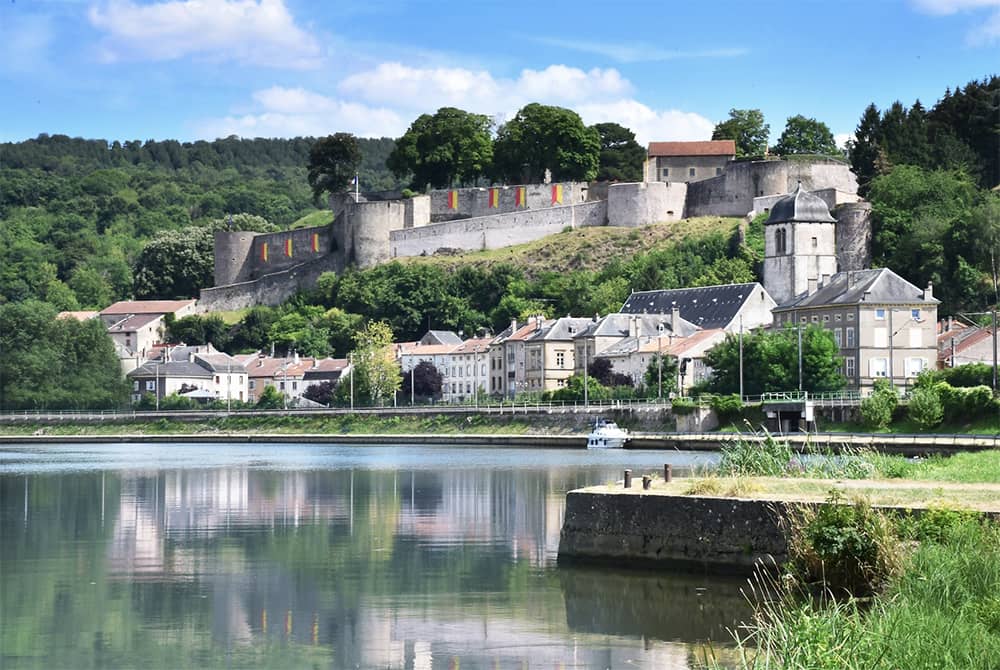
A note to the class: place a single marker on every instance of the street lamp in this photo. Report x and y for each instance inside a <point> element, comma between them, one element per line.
<point>475,373</point>
<point>350,359</point>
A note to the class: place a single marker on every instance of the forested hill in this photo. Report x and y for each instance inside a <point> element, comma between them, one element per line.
<point>74,156</point>
<point>76,215</point>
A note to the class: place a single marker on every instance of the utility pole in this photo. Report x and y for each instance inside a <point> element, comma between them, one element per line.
<point>994,314</point>
<point>659,364</point>
<point>741,359</point>
<point>892,361</point>
<point>475,373</point>
<point>799,330</point>
<point>350,358</point>
<point>586,398</point>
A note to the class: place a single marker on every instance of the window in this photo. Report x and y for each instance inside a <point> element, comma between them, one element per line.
<point>468,370</point>
<point>877,367</point>
<point>666,172</point>
<point>802,319</point>
<point>691,172</point>
<point>484,369</point>
<point>826,318</point>
<point>718,171</point>
<point>281,385</point>
<point>849,367</point>
<point>135,386</point>
<point>814,319</point>
<point>815,243</point>
<point>295,386</point>
<point>850,316</point>
<point>850,337</point>
<point>216,379</point>
<point>838,337</point>
<point>780,242</point>
<point>914,366</point>
<point>837,317</point>
<point>560,359</point>
<point>151,386</point>
<point>880,315</point>
<point>915,314</point>
<point>253,385</point>
<point>916,338</point>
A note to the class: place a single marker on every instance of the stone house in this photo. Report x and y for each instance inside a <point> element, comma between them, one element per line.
<point>411,354</point>
<point>468,371</point>
<point>884,325</point>
<point>550,357</point>
<point>508,375</point>
<point>688,161</point>
<point>289,375</point>
<point>727,306</point>
<point>126,308</point>
<point>632,356</point>
<point>202,370</point>
<point>614,329</point>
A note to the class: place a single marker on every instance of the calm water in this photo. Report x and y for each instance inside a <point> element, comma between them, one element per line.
<point>300,556</point>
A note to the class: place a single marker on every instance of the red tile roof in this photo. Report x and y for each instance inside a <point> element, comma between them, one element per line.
<point>706,148</point>
<point>147,306</point>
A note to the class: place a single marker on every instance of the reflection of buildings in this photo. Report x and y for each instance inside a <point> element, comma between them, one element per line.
<point>369,568</point>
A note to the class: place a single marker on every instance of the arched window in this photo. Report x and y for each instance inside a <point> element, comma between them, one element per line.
<point>780,242</point>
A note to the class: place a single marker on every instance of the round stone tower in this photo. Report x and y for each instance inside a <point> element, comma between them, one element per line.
<point>854,236</point>
<point>800,247</point>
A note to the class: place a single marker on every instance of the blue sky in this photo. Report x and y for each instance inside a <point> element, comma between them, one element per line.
<point>193,69</point>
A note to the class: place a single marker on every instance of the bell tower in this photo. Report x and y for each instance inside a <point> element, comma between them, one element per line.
<point>800,246</point>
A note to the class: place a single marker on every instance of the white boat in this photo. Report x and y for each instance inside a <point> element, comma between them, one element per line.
<point>607,435</point>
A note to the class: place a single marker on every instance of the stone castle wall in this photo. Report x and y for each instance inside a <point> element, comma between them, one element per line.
<point>497,231</point>
<point>641,204</point>
<point>243,256</point>
<point>268,289</point>
<point>854,236</point>
<point>465,203</point>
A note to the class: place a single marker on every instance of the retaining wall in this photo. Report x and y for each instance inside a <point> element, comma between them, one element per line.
<point>269,289</point>
<point>497,231</point>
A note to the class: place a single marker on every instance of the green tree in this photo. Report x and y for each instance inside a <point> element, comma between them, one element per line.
<point>925,407</point>
<point>333,163</point>
<point>747,127</point>
<point>450,147</point>
<point>426,381</point>
<point>657,373</point>
<point>621,157</point>
<point>541,137</point>
<point>863,149</point>
<point>176,264</point>
<point>376,374</point>
<point>877,408</point>
<point>270,398</point>
<point>803,135</point>
<point>573,391</point>
<point>771,362</point>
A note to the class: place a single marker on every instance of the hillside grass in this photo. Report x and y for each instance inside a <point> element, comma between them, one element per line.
<point>320,217</point>
<point>585,248</point>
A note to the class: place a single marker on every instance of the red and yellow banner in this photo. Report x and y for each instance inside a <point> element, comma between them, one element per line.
<point>494,198</point>
<point>315,243</point>
<point>288,247</point>
<point>452,199</point>
<point>263,252</point>
<point>521,197</point>
<point>557,194</point>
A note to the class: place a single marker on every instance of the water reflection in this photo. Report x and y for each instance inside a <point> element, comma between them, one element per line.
<point>329,567</point>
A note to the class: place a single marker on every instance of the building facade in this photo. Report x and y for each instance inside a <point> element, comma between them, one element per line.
<point>688,161</point>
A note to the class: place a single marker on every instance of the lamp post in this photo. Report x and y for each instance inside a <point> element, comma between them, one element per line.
<point>741,358</point>
<point>586,384</point>
<point>659,364</point>
<point>798,330</point>
<point>475,373</point>
<point>350,359</point>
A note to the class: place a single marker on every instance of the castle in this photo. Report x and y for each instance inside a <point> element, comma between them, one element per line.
<point>267,268</point>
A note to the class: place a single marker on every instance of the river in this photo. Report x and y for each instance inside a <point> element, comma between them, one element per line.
<point>308,556</point>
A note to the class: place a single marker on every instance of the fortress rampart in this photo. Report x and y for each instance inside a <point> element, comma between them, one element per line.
<point>267,268</point>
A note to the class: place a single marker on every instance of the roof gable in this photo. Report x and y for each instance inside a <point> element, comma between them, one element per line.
<point>880,286</point>
<point>704,148</point>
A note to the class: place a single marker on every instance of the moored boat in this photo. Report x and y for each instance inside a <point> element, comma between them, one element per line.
<point>607,435</point>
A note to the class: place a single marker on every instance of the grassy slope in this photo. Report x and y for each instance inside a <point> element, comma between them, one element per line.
<point>318,218</point>
<point>586,248</point>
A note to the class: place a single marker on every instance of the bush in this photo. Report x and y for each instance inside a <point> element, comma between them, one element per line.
<point>852,547</point>
<point>971,374</point>
<point>925,407</point>
<point>728,407</point>
<point>962,403</point>
<point>683,406</point>
<point>877,409</point>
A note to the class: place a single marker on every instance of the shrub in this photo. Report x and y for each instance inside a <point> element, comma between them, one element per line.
<point>749,458</point>
<point>964,402</point>
<point>925,407</point>
<point>877,409</point>
<point>683,405</point>
<point>970,374</point>
<point>844,546</point>
<point>728,407</point>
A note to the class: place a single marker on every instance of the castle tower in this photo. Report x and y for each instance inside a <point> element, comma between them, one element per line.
<point>800,248</point>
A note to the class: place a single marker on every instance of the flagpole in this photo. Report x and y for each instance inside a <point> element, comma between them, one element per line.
<point>356,187</point>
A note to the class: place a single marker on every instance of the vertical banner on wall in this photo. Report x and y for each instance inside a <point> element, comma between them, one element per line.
<point>263,252</point>
<point>288,247</point>
<point>315,243</point>
<point>521,197</point>
<point>494,198</point>
<point>452,199</point>
<point>557,196</point>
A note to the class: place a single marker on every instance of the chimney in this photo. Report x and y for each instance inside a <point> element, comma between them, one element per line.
<point>811,283</point>
<point>675,317</point>
<point>513,326</point>
<point>633,326</point>
<point>538,323</point>
<point>850,279</point>
<point>929,291</point>
<point>826,280</point>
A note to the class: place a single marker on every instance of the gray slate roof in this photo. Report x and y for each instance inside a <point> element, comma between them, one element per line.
<point>881,286</point>
<point>617,325</point>
<point>220,362</point>
<point>440,337</point>
<point>707,306</point>
<point>565,328</point>
<point>170,369</point>
<point>800,205</point>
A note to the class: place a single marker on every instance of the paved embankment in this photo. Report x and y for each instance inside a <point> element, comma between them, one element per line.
<point>905,445</point>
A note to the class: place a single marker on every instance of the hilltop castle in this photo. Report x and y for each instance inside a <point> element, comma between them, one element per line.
<point>266,268</point>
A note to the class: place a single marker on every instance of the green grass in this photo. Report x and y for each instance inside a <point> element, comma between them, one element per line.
<point>318,218</point>
<point>984,426</point>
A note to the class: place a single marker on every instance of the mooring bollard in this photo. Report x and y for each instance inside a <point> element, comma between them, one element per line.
<point>628,479</point>
<point>668,472</point>
<point>646,481</point>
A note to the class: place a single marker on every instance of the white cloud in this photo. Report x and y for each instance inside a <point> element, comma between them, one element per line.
<point>430,88</point>
<point>649,125</point>
<point>386,99</point>
<point>638,52</point>
<point>841,139</point>
<point>248,31</point>
<point>988,29</point>
<point>291,112</point>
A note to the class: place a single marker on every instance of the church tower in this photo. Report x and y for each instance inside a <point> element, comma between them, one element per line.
<point>800,248</point>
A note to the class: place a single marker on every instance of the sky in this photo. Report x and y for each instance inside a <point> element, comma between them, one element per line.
<point>201,69</point>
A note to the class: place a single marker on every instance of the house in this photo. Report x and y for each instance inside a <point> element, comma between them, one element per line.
<point>290,375</point>
<point>126,308</point>
<point>135,335</point>
<point>688,161</point>
<point>884,325</point>
<point>614,329</point>
<point>428,350</point>
<point>549,351</point>
<point>728,306</point>
<point>185,370</point>
<point>507,357</point>
<point>961,344</point>
<point>84,315</point>
<point>632,356</point>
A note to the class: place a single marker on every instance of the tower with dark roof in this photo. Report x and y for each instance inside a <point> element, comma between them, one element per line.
<point>800,248</point>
